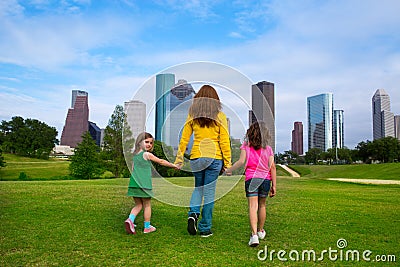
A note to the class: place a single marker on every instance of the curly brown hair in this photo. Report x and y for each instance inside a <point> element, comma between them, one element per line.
<point>258,135</point>
<point>205,107</point>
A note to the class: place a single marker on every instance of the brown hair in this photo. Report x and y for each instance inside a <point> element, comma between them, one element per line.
<point>257,135</point>
<point>205,106</point>
<point>139,139</point>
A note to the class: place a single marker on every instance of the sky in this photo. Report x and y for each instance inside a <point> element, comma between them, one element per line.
<point>110,48</point>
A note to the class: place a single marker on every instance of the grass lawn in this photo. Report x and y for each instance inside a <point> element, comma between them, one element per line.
<point>51,169</point>
<point>80,223</point>
<point>387,171</point>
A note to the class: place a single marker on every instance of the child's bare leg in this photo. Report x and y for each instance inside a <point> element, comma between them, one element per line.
<point>138,206</point>
<point>253,207</point>
<point>147,209</point>
<point>262,214</point>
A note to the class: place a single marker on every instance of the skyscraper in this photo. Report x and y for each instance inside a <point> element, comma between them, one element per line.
<point>320,121</point>
<point>383,118</point>
<point>77,121</point>
<point>263,106</point>
<point>95,132</point>
<point>135,111</point>
<point>397,126</point>
<point>177,104</point>
<point>164,83</point>
<point>338,129</point>
<point>297,138</point>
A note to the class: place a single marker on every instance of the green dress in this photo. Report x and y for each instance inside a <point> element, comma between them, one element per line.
<point>140,181</point>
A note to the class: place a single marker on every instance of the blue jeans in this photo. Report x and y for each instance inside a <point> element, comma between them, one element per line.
<point>206,171</point>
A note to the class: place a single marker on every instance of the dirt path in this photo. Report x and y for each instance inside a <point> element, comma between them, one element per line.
<point>366,181</point>
<point>289,170</point>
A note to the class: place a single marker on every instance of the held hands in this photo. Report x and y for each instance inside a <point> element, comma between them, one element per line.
<point>178,166</point>
<point>228,171</point>
<point>175,167</point>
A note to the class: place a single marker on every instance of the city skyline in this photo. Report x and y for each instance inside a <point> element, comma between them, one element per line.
<point>50,48</point>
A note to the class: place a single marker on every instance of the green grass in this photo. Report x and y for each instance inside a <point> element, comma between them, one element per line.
<point>389,171</point>
<point>39,169</point>
<point>80,223</point>
<point>281,171</point>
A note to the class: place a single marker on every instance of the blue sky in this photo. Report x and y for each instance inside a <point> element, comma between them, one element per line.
<point>110,48</point>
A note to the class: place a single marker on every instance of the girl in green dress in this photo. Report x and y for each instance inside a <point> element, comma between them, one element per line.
<point>140,186</point>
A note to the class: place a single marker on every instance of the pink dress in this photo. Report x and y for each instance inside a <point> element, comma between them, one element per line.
<point>257,162</point>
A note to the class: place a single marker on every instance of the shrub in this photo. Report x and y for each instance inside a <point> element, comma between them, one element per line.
<point>22,176</point>
<point>107,175</point>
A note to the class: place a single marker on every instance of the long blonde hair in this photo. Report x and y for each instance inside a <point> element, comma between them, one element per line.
<point>140,138</point>
<point>205,107</point>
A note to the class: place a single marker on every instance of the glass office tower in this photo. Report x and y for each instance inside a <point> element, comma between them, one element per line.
<point>320,121</point>
<point>172,106</point>
<point>164,83</point>
<point>338,126</point>
<point>178,101</point>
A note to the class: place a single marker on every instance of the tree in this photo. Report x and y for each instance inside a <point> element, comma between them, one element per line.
<point>117,139</point>
<point>28,137</point>
<point>345,155</point>
<point>289,157</point>
<point>364,150</point>
<point>2,162</point>
<point>86,163</point>
<point>385,149</point>
<point>163,151</point>
<point>235,155</point>
<point>313,155</point>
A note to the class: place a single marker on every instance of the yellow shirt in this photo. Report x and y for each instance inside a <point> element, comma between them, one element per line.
<point>209,142</point>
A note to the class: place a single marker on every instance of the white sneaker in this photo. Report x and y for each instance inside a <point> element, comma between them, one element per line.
<point>254,241</point>
<point>261,234</point>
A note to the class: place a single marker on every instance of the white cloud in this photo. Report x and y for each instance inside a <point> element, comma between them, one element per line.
<point>198,8</point>
<point>29,41</point>
<point>10,7</point>
<point>236,35</point>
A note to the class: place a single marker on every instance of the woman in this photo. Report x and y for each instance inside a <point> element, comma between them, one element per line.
<point>210,154</point>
